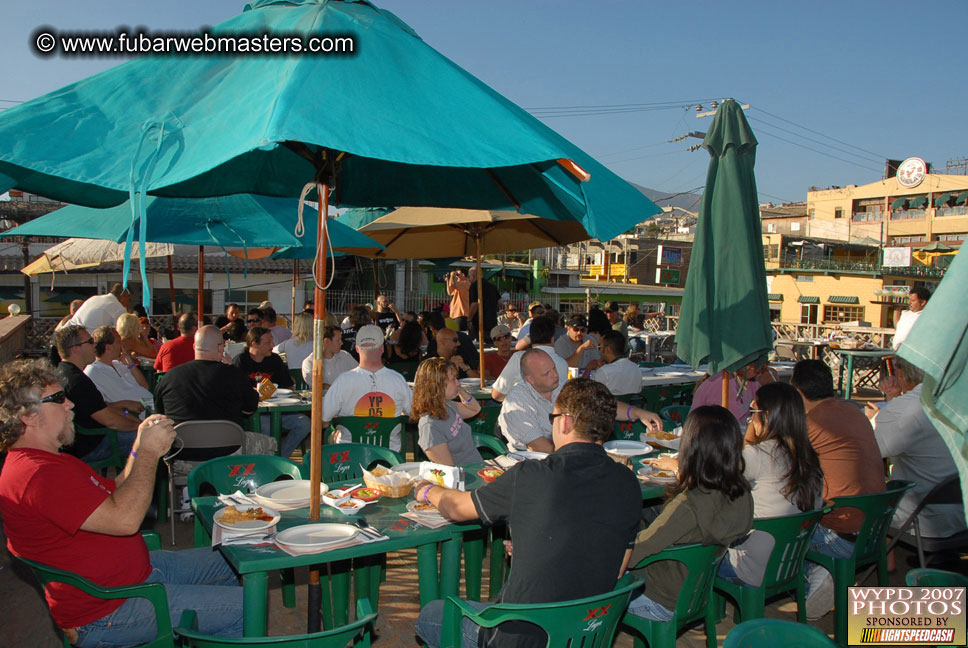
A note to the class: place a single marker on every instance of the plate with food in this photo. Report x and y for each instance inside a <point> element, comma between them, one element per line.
<point>423,509</point>
<point>490,473</point>
<point>289,491</point>
<point>246,518</point>
<point>366,494</point>
<point>655,475</point>
<point>666,439</point>
<point>627,447</point>
<point>521,455</point>
<point>311,536</point>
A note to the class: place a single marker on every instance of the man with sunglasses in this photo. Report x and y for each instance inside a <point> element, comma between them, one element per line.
<point>60,512</point>
<point>495,361</point>
<point>76,348</point>
<point>576,347</point>
<point>535,309</point>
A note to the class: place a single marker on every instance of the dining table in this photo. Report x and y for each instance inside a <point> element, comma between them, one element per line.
<point>296,402</point>
<point>847,358</point>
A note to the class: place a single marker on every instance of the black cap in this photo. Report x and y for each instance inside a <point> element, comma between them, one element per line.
<point>577,320</point>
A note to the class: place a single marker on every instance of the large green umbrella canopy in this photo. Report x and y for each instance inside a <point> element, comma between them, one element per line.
<point>938,344</point>
<point>725,317</point>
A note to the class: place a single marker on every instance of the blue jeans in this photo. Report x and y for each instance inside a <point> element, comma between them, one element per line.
<point>103,449</point>
<point>828,543</point>
<point>728,572</point>
<point>646,608</point>
<point>431,619</point>
<point>195,579</point>
<point>297,428</point>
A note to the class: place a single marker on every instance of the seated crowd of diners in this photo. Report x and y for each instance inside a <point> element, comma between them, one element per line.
<point>778,449</point>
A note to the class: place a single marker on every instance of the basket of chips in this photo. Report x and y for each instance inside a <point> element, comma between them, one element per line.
<point>390,484</point>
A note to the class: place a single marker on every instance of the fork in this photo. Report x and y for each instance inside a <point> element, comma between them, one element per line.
<point>231,539</point>
<point>367,530</point>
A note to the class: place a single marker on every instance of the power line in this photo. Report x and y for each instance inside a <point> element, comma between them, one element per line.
<point>810,139</point>
<point>783,139</point>
<point>877,155</point>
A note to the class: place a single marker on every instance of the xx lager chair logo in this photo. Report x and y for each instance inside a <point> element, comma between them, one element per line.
<point>339,457</point>
<point>594,613</point>
<point>241,469</point>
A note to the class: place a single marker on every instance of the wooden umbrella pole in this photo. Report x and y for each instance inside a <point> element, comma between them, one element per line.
<point>480,308</point>
<point>201,284</point>
<point>725,389</point>
<point>313,623</point>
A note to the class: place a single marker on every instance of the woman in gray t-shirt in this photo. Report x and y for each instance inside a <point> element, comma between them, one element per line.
<point>442,433</point>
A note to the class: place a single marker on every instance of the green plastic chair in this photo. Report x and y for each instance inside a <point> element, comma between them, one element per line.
<point>343,460</point>
<point>115,460</point>
<point>489,446</point>
<point>869,548</point>
<point>675,413</point>
<point>784,570</point>
<point>701,563</point>
<point>928,577</point>
<point>769,633</point>
<point>486,421</point>
<point>589,622</point>
<point>154,592</point>
<point>407,369</point>
<point>624,430</point>
<point>372,430</point>
<point>354,634</point>
<point>297,379</point>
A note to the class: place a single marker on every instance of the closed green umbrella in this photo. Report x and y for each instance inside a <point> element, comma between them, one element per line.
<point>725,317</point>
<point>938,344</point>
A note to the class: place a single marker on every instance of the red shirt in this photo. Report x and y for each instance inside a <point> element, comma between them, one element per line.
<point>175,352</point>
<point>45,498</point>
<point>495,364</point>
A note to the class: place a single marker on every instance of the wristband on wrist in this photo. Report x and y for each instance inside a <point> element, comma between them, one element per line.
<point>131,366</point>
<point>426,490</point>
<point>134,455</point>
<point>125,412</point>
<point>628,413</point>
<point>470,399</point>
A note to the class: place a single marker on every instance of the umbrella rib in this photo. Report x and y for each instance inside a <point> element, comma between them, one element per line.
<point>500,185</point>
<point>537,225</point>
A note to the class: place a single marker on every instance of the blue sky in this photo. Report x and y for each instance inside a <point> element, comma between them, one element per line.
<point>879,78</point>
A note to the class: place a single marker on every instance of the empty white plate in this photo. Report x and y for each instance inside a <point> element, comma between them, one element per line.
<point>289,491</point>
<point>310,536</point>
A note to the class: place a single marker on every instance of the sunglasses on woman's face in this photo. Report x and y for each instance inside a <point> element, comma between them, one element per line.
<point>57,397</point>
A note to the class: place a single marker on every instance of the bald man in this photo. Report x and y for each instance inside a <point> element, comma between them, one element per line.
<point>178,351</point>
<point>207,388</point>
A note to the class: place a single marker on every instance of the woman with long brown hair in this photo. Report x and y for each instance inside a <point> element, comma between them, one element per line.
<point>442,432</point>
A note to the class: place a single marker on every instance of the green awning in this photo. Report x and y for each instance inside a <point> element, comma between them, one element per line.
<point>808,300</point>
<point>898,203</point>
<point>918,202</point>
<point>843,299</point>
<point>942,199</point>
<point>962,197</point>
<point>774,296</point>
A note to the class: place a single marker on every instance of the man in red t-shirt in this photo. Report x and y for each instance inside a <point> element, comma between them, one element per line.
<point>59,512</point>
<point>180,350</point>
<point>495,361</point>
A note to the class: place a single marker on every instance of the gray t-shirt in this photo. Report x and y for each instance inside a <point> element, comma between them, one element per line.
<point>566,348</point>
<point>452,431</point>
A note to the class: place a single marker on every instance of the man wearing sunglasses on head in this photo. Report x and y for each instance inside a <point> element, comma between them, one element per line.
<point>76,348</point>
<point>59,512</point>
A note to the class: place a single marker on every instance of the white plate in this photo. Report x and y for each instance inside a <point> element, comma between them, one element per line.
<point>253,525</point>
<point>412,468</point>
<point>282,392</point>
<point>521,455</point>
<point>289,491</point>
<point>412,507</point>
<point>628,448</point>
<point>645,472</point>
<point>287,400</point>
<point>316,535</point>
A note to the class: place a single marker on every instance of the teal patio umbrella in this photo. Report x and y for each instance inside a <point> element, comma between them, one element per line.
<point>938,345</point>
<point>725,317</point>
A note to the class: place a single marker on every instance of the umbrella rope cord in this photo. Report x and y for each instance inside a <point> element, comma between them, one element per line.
<point>300,231</point>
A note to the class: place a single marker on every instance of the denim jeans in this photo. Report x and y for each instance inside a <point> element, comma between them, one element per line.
<point>828,543</point>
<point>646,608</point>
<point>728,572</point>
<point>297,428</point>
<point>431,619</point>
<point>195,579</point>
<point>103,449</point>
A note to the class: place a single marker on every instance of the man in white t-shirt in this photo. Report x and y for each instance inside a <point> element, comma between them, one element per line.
<point>115,373</point>
<point>102,310</point>
<point>335,360</point>
<point>368,390</point>
<point>619,374</point>
<point>917,299</point>
<point>542,333</point>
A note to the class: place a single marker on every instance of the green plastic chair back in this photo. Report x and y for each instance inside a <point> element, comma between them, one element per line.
<point>927,577</point>
<point>486,421</point>
<point>489,446</point>
<point>784,569</point>
<point>675,413</point>
<point>624,430</point>
<point>589,622</point>
<point>114,460</point>
<point>701,563</point>
<point>372,430</point>
<point>407,369</point>
<point>869,548</point>
<point>154,592</point>
<point>342,461</point>
<point>770,633</point>
<point>240,472</point>
<point>355,634</point>
<point>297,379</point>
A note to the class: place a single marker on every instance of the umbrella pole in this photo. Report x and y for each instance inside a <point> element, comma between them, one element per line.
<point>201,284</point>
<point>725,398</point>
<point>171,286</point>
<point>480,309</point>
<point>316,418</point>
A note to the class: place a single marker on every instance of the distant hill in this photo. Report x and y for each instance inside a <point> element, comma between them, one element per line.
<point>661,198</point>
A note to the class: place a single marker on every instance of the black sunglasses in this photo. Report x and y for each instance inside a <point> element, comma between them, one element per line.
<point>552,417</point>
<point>57,397</point>
<point>252,321</point>
<point>89,340</point>
<point>502,337</point>
<point>580,329</point>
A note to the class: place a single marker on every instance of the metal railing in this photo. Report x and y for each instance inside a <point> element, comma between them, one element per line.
<point>908,214</point>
